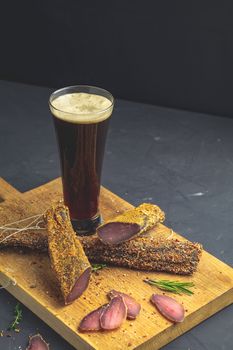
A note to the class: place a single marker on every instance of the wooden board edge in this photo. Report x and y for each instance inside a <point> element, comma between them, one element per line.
<point>44,314</point>
<point>7,191</point>
<point>189,322</point>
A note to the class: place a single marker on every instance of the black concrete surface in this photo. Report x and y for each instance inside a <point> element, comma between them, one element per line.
<point>180,160</point>
<point>171,53</point>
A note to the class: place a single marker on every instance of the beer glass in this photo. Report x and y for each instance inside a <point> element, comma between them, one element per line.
<point>81,116</point>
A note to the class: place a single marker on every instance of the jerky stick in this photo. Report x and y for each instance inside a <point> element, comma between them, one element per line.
<point>146,253</point>
<point>68,259</point>
<point>143,253</point>
<point>37,240</point>
<point>130,224</point>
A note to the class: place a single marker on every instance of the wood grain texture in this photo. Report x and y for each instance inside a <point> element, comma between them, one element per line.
<point>7,191</point>
<point>37,288</point>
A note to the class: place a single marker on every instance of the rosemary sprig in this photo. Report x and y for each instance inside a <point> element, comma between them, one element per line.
<point>18,315</point>
<point>97,267</point>
<point>172,286</point>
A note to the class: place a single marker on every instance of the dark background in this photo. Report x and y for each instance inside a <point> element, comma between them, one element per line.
<point>170,53</point>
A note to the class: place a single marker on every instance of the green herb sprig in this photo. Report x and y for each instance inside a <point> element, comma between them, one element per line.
<point>172,286</point>
<point>18,315</point>
<point>97,267</point>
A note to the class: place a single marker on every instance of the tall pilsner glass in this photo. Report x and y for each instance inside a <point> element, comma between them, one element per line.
<point>81,116</point>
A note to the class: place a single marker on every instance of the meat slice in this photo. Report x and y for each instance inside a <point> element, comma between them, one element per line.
<point>36,342</point>
<point>133,307</point>
<point>106,317</point>
<point>114,314</point>
<point>130,224</point>
<point>68,260</point>
<point>91,322</point>
<point>168,307</point>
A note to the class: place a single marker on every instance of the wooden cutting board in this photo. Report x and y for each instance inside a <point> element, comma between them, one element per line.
<point>37,289</point>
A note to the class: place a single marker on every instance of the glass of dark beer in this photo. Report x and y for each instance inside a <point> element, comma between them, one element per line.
<point>81,116</point>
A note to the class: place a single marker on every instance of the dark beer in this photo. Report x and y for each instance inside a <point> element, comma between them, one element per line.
<point>81,122</point>
<point>81,153</point>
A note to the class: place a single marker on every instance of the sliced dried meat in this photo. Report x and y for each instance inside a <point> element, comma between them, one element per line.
<point>117,232</point>
<point>133,307</point>
<point>114,314</point>
<point>68,260</point>
<point>168,307</point>
<point>36,342</point>
<point>130,224</point>
<point>91,322</point>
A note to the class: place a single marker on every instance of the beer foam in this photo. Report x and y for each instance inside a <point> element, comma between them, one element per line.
<point>80,107</point>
